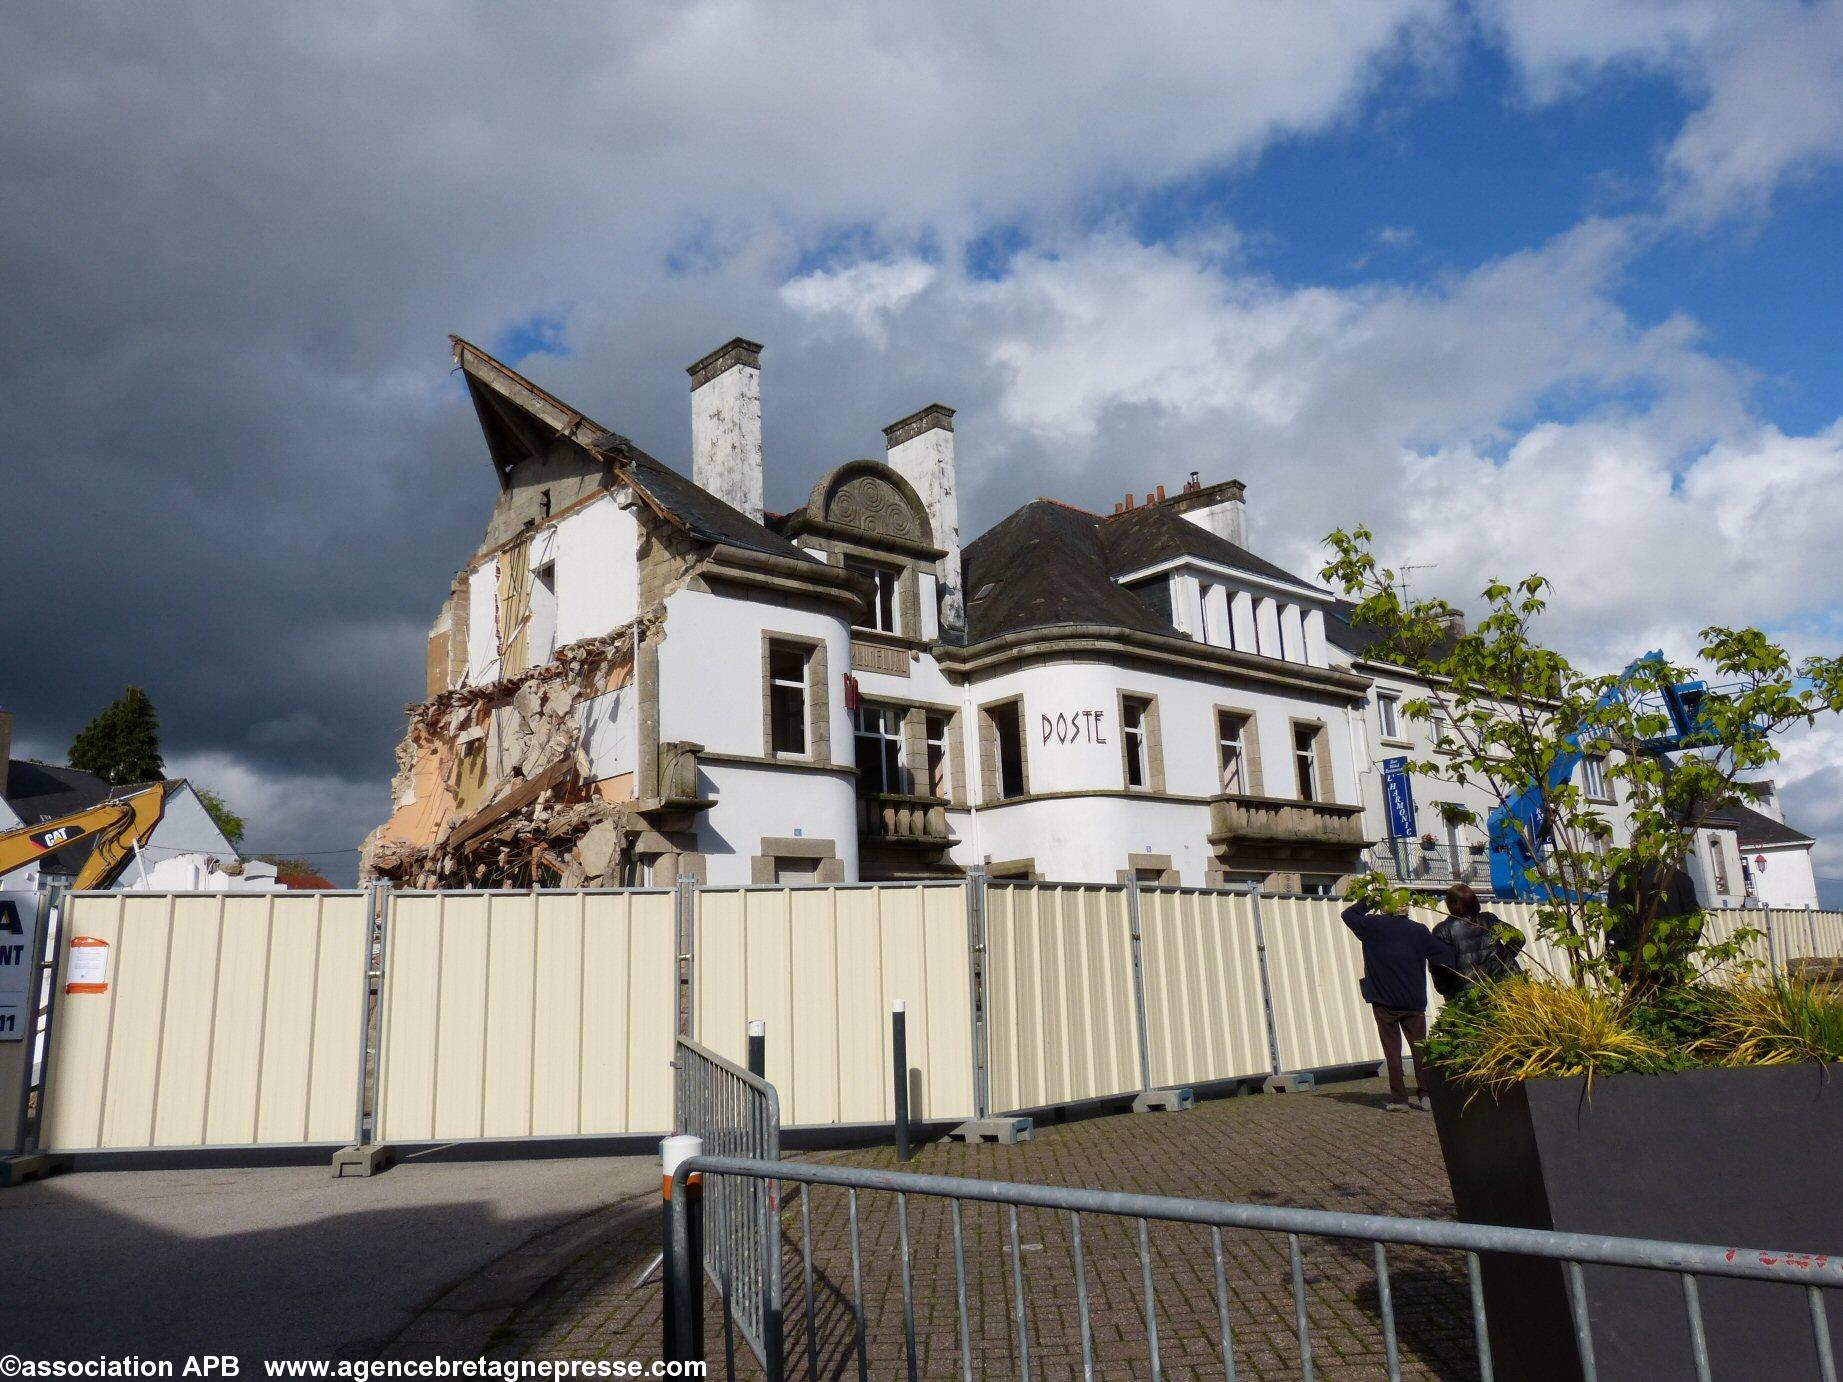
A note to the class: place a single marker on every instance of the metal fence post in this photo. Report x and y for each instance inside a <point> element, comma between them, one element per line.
<point>1811,925</point>
<point>1260,950</point>
<point>976,979</point>
<point>1772,944</point>
<point>758,1048</point>
<point>684,923</point>
<point>367,1156</point>
<point>899,1060</point>
<point>1132,918</point>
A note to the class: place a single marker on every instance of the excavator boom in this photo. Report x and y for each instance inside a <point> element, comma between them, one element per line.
<point>116,826</point>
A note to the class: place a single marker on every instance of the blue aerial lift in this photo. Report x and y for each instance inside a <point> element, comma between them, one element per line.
<point>1520,830</point>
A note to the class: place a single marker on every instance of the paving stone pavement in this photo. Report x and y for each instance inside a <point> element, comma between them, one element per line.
<point>1335,1149</point>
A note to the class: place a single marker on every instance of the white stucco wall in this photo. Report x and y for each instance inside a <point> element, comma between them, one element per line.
<point>1072,728</point>
<point>1088,839</point>
<point>1787,880</point>
<point>597,560</point>
<point>710,670</point>
<point>756,802</point>
<point>483,623</point>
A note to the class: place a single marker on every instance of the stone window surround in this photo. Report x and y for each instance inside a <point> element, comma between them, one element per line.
<point>915,743</point>
<point>1251,781</point>
<point>818,699</point>
<point>991,778</point>
<point>1321,755</point>
<point>1013,870</point>
<point>1167,873</point>
<point>908,568</point>
<point>1151,733</point>
<point>775,848</point>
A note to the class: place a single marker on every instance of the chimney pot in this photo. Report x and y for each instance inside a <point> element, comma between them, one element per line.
<point>1195,482</point>
<point>1161,494</point>
<point>1129,500</point>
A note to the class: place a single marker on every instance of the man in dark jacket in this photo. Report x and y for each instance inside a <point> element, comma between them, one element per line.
<point>1471,933</point>
<point>1396,953</point>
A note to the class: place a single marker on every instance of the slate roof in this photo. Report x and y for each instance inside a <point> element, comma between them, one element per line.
<point>1359,639</point>
<point>704,515</point>
<point>1143,537</point>
<point>1045,565</point>
<point>1753,827</point>
<point>1050,564</point>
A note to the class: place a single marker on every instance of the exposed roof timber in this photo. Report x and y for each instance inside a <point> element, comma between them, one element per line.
<point>528,398</point>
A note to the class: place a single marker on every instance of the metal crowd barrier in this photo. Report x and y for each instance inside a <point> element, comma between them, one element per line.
<point>1573,1250</point>
<point>737,1115</point>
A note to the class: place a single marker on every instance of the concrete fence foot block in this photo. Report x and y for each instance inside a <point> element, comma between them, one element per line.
<point>17,1170</point>
<point>366,1160</point>
<point>1006,1130</point>
<point>1164,1100</point>
<point>1298,1082</point>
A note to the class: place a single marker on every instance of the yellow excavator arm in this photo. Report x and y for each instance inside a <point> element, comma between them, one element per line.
<point>116,826</point>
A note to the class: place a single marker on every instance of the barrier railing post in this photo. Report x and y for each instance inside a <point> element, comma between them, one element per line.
<point>1132,919</point>
<point>683,1248</point>
<point>899,1060</point>
<point>758,1048</point>
<point>1260,950</point>
<point>1772,943</point>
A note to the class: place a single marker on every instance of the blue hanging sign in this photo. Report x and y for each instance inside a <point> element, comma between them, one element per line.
<point>1398,793</point>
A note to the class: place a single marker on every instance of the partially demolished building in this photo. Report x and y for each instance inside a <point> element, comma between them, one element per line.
<point>641,676</point>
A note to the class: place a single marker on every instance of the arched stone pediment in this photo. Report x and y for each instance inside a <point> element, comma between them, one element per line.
<point>868,497</point>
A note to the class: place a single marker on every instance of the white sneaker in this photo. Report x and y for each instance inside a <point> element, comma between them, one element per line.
<point>1393,1107</point>
<point>1422,1102</point>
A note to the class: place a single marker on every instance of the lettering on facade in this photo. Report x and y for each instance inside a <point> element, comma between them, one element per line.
<point>874,657</point>
<point>1074,727</point>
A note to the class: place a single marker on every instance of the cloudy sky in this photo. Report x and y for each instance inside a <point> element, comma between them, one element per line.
<point>1549,285</point>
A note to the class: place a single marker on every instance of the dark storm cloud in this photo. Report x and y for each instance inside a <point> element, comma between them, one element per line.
<point>235,238</point>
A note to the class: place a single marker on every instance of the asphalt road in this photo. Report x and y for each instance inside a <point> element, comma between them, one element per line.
<point>273,1262</point>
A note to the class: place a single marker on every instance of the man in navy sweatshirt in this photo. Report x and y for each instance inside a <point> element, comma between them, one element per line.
<point>1396,953</point>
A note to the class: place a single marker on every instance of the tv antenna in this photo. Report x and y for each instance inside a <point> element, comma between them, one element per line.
<point>1402,583</point>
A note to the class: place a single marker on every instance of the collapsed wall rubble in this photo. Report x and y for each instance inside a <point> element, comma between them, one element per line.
<point>497,784</point>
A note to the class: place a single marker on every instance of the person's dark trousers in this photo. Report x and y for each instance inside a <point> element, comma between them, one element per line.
<point>1392,1024</point>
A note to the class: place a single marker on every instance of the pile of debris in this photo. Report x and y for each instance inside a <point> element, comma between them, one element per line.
<point>496,785</point>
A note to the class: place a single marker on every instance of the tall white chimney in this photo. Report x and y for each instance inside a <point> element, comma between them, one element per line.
<point>921,450</point>
<point>726,425</point>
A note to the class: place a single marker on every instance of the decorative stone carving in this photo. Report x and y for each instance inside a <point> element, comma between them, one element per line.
<point>873,506</point>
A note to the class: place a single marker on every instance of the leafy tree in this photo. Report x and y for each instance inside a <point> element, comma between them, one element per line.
<point>121,745</point>
<point>1504,706</point>
<point>227,820</point>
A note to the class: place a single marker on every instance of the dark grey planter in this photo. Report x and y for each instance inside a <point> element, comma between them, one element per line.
<point>1737,1158</point>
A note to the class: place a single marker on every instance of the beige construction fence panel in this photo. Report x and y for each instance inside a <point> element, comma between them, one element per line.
<point>821,967</point>
<point>1315,966</point>
<point>1800,934</point>
<point>526,1014</point>
<point>1059,981</point>
<point>223,1020</point>
<point>1204,1016</point>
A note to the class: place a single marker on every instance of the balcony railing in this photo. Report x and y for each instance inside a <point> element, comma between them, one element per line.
<point>893,818</point>
<point>1283,821</point>
<point>1435,865</point>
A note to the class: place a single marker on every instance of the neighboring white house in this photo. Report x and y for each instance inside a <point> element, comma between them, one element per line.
<point>186,851</point>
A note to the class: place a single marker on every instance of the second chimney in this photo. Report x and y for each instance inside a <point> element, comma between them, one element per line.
<point>726,425</point>
<point>921,450</point>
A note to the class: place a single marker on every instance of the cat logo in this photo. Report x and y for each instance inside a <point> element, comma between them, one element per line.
<point>51,839</point>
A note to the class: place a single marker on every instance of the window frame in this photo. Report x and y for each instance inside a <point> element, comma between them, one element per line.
<point>1388,716</point>
<point>1135,753</point>
<point>887,592</point>
<point>1593,778</point>
<point>888,738</point>
<point>937,754</point>
<point>994,781</point>
<point>1307,771</point>
<point>815,717</point>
